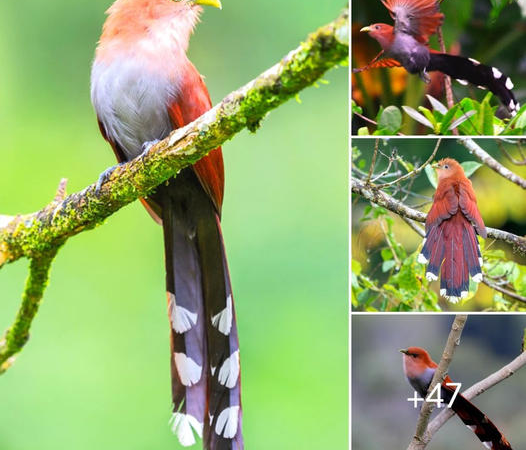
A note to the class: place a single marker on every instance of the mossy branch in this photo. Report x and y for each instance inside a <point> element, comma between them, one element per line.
<point>18,334</point>
<point>38,236</point>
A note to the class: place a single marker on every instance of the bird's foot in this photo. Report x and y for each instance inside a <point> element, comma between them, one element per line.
<point>425,76</point>
<point>105,176</point>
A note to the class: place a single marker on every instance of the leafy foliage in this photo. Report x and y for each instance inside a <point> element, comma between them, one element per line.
<point>469,117</point>
<point>406,288</point>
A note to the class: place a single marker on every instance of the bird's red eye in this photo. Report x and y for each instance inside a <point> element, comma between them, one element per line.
<point>377,27</point>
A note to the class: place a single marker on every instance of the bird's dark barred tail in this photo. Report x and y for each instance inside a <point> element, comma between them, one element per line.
<point>476,421</point>
<point>468,70</point>
<point>204,341</point>
<point>453,246</point>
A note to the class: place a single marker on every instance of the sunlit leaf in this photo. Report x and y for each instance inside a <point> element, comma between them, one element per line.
<point>414,114</point>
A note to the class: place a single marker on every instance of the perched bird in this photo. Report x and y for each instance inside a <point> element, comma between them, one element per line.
<point>407,45</point>
<point>419,369</point>
<point>142,87</point>
<point>452,225</point>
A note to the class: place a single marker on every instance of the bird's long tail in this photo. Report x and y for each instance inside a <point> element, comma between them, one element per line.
<point>476,421</point>
<point>453,249</point>
<point>468,70</point>
<point>204,342</point>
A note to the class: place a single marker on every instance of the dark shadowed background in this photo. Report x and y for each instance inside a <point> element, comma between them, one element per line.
<point>95,373</point>
<point>382,418</point>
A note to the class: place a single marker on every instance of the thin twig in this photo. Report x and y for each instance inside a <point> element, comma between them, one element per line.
<point>478,388</point>
<point>373,162</point>
<point>508,156</point>
<point>502,290</point>
<point>491,162</point>
<point>415,171</point>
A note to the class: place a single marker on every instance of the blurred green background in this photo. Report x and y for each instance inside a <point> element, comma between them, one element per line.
<point>381,416</point>
<point>95,373</point>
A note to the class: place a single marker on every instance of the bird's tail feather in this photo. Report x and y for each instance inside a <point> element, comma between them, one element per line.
<point>452,249</point>
<point>204,342</point>
<point>476,421</point>
<point>471,71</point>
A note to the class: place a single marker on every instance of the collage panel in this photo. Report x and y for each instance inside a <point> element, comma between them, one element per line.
<point>393,360</point>
<point>438,67</point>
<point>438,225</point>
<point>467,253</point>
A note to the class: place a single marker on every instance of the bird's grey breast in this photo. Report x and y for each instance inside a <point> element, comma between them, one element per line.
<point>413,55</point>
<point>131,102</point>
<point>422,382</point>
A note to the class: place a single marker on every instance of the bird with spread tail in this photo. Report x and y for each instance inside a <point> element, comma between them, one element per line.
<point>452,224</point>
<point>407,45</point>
<point>143,86</point>
<point>419,369</point>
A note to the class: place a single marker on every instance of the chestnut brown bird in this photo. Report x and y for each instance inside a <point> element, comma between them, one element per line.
<point>452,225</point>
<point>143,86</point>
<point>419,369</point>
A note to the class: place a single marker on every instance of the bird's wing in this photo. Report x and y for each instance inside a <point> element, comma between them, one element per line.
<point>468,206</point>
<point>445,205</point>
<point>385,62</point>
<point>209,169</point>
<point>419,18</point>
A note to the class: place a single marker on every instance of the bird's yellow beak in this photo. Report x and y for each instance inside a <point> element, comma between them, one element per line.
<point>365,29</point>
<point>215,3</point>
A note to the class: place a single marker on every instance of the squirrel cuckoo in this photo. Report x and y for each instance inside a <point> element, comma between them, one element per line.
<point>452,225</point>
<point>407,45</point>
<point>419,369</point>
<point>142,87</point>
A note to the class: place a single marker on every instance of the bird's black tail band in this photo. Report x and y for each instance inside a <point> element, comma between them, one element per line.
<point>204,343</point>
<point>471,71</point>
<point>476,421</point>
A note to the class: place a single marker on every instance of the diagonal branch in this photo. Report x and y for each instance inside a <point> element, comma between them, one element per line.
<point>479,388</point>
<point>39,235</point>
<point>35,234</point>
<point>491,162</point>
<point>387,201</point>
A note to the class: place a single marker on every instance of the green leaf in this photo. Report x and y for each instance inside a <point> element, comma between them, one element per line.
<point>431,175</point>
<point>414,114</point>
<point>486,117</point>
<point>462,119</point>
<point>520,281</point>
<point>521,119</point>
<point>356,267</point>
<point>388,265</point>
<point>437,105</point>
<point>386,253</point>
<point>447,119</point>
<point>363,296</point>
<point>390,120</point>
<point>470,167</point>
<point>429,115</point>
<point>363,131</point>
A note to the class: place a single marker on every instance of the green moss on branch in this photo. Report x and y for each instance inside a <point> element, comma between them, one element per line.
<point>36,234</point>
